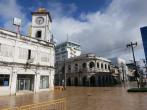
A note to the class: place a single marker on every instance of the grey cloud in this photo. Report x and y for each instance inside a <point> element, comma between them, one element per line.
<point>104,33</point>
<point>107,33</point>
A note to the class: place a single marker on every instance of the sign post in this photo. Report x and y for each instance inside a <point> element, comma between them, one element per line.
<point>17,23</point>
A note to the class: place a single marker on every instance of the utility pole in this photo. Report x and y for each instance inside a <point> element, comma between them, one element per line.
<point>132,47</point>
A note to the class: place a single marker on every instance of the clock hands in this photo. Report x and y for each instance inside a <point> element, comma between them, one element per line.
<point>39,20</point>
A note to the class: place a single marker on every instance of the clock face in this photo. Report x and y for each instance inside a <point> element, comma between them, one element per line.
<point>39,20</point>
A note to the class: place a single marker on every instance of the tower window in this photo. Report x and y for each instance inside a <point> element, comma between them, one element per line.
<point>29,54</point>
<point>38,34</point>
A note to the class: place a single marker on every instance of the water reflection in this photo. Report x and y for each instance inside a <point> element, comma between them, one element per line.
<point>85,98</point>
<point>104,98</point>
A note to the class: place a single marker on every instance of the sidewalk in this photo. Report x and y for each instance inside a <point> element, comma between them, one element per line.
<point>19,100</point>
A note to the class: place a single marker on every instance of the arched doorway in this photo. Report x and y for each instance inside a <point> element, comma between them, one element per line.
<point>76,81</point>
<point>69,82</point>
<point>92,81</point>
<point>107,80</point>
<point>84,65</point>
<point>103,80</point>
<point>84,81</point>
<point>98,81</point>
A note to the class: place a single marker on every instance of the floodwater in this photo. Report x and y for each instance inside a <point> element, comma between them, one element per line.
<point>85,98</point>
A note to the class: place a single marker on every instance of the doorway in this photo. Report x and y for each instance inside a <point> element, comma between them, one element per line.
<point>25,82</point>
<point>84,81</point>
<point>92,81</point>
<point>69,82</point>
<point>75,81</point>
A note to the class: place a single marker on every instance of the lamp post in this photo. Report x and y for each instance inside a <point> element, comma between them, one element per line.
<point>123,73</point>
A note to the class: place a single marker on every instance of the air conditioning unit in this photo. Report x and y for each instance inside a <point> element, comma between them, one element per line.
<point>31,60</point>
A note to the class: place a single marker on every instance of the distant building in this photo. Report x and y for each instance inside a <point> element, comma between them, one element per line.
<point>141,64</point>
<point>141,67</point>
<point>123,69</point>
<point>27,62</point>
<point>132,69</point>
<point>144,39</point>
<point>85,70</point>
<point>67,50</point>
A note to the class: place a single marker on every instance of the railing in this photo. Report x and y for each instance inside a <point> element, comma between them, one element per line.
<point>12,108</point>
<point>59,104</point>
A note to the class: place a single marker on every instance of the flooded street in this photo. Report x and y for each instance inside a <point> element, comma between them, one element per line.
<point>85,98</point>
<point>105,99</point>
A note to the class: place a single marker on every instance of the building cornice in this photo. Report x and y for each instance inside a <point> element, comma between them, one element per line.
<point>10,34</point>
<point>10,64</point>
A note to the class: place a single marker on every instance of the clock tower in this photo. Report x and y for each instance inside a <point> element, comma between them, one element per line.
<point>41,23</point>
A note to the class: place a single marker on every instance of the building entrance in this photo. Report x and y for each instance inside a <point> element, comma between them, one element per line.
<point>25,82</point>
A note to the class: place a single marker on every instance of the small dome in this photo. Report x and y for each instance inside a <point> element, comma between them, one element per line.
<point>41,10</point>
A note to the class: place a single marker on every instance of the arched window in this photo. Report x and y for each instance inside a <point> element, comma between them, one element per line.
<point>109,67</point>
<point>98,65</point>
<point>38,34</point>
<point>63,69</point>
<point>76,67</point>
<point>101,65</point>
<point>69,67</point>
<point>105,66</point>
<point>91,64</point>
<point>84,65</point>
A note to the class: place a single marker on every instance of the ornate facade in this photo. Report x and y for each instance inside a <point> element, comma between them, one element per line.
<point>85,70</point>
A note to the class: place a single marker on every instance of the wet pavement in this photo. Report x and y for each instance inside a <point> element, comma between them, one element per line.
<point>85,98</point>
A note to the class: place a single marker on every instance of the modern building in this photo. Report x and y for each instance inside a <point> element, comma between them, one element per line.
<point>27,62</point>
<point>85,70</point>
<point>144,39</point>
<point>67,50</point>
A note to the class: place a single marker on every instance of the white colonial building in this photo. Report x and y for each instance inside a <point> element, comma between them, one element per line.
<point>67,50</point>
<point>27,62</point>
<point>85,70</point>
<point>123,69</point>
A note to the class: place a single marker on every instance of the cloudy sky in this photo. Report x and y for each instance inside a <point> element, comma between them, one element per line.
<point>103,27</point>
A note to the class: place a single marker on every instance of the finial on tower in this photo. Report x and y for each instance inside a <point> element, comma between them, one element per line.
<point>41,10</point>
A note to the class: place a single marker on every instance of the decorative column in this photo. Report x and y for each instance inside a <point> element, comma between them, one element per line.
<point>36,82</point>
<point>13,84</point>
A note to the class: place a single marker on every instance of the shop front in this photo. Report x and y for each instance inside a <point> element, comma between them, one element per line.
<point>25,82</point>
